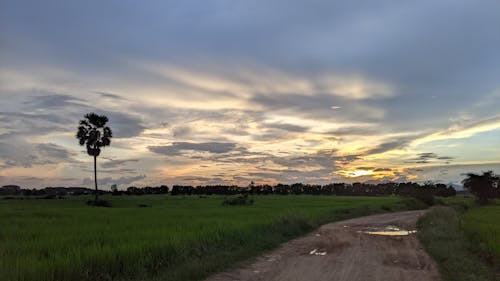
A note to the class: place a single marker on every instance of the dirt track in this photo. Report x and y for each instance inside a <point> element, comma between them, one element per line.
<point>344,252</point>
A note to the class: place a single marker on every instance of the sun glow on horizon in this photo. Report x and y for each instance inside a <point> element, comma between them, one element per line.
<point>359,173</point>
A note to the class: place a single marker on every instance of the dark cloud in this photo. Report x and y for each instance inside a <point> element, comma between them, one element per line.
<point>111,96</point>
<point>382,170</point>
<point>53,101</point>
<point>287,127</point>
<point>270,135</point>
<point>365,168</point>
<point>124,125</point>
<point>53,151</point>
<point>112,163</point>
<point>179,148</point>
<point>387,146</point>
<point>66,110</point>
<point>212,180</point>
<point>181,131</point>
<point>27,154</point>
<point>445,158</point>
<point>25,125</point>
<point>429,157</point>
<point>110,171</point>
<point>9,117</point>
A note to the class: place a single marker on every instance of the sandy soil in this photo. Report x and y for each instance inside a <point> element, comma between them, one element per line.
<point>344,251</point>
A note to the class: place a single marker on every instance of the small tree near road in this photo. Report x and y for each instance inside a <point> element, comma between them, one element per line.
<point>94,134</point>
<point>485,186</point>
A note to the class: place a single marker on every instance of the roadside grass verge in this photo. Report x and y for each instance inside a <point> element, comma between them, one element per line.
<point>175,238</point>
<point>482,225</point>
<point>456,255</point>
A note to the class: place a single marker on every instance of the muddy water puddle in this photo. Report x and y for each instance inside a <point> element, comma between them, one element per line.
<point>388,231</point>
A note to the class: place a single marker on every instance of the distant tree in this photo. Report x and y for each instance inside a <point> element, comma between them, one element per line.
<point>94,134</point>
<point>484,186</point>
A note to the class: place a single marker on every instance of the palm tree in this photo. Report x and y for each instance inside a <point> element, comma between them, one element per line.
<point>94,133</point>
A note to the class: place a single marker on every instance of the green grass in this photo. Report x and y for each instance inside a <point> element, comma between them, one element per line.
<point>176,238</point>
<point>456,255</point>
<point>482,224</point>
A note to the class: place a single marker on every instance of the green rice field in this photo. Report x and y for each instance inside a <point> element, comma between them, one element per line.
<point>157,237</point>
<point>483,225</point>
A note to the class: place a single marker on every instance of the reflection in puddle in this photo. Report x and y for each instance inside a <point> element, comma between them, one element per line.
<point>390,231</point>
<point>317,253</point>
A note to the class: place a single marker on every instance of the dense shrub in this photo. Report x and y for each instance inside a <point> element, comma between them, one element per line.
<point>423,195</point>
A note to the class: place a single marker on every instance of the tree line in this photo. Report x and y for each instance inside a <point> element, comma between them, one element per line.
<point>339,189</point>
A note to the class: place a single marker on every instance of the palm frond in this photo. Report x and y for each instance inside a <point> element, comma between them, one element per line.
<point>93,133</point>
<point>107,132</point>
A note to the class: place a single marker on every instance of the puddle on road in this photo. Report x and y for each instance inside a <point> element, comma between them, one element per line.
<point>390,231</point>
<point>315,252</point>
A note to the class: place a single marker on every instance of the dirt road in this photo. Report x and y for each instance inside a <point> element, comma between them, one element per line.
<point>345,251</point>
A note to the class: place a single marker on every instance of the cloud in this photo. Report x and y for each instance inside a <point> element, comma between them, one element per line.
<point>26,125</point>
<point>318,106</point>
<point>66,109</point>
<point>382,170</point>
<point>112,163</point>
<point>25,154</point>
<point>459,131</point>
<point>9,117</point>
<point>387,146</point>
<point>428,157</point>
<point>326,161</point>
<point>54,101</point>
<point>180,148</point>
<point>124,125</point>
<point>111,96</point>
<point>53,151</point>
<point>287,127</point>
<point>108,181</point>
<point>365,168</point>
<point>181,131</point>
<point>365,130</point>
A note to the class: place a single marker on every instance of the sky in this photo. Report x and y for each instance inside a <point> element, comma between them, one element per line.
<point>229,92</point>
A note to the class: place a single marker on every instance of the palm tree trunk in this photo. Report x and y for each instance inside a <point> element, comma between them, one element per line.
<point>95,176</point>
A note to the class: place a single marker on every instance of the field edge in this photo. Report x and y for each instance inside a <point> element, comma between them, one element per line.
<point>457,256</point>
